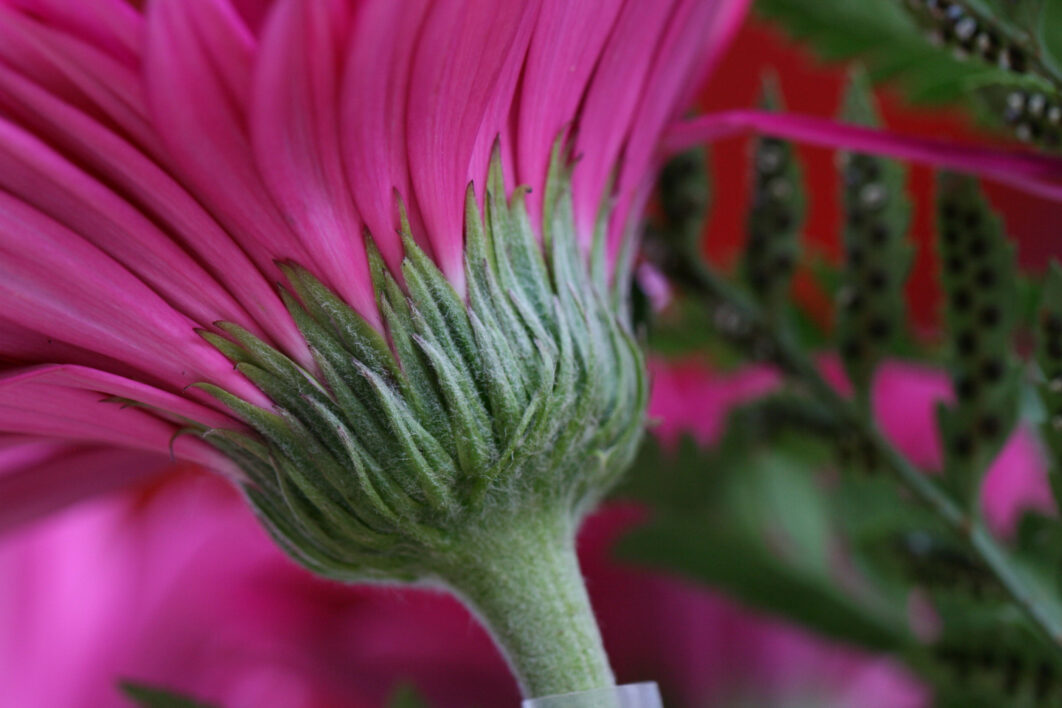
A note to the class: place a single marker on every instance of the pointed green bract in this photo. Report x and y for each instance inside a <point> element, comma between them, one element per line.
<point>397,451</point>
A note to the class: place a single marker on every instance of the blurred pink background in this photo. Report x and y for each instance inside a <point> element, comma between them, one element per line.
<point>173,582</point>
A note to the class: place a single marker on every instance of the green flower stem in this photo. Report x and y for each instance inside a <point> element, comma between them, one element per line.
<point>702,282</point>
<point>523,581</point>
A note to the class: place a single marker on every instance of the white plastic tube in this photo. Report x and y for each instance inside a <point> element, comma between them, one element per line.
<point>633,695</point>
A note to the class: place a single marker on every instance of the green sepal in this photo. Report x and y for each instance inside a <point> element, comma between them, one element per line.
<point>528,393</point>
<point>231,351</point>
<point>324,307</point>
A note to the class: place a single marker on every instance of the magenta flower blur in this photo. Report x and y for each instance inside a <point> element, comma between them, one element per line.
<point>370,260</point>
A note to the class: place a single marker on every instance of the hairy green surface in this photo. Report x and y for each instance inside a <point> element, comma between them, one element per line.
<point>465,450</point>
<point>527,396</point>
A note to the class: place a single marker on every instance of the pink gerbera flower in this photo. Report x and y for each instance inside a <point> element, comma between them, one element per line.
<point>156,166</point>
<point>450,191</point>
<point>450,383</point>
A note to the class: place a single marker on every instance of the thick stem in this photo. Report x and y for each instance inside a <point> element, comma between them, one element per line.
<point>523,581</point>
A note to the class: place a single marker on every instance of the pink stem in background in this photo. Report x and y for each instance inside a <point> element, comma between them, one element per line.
<point>1037,174</point>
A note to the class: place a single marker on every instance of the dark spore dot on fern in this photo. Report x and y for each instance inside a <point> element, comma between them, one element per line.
<point>955,265</point>
<point>966,342</point>
<point>1052,323</point>
<point>961,300</point>
<point>853,349</point>
<point>986,278</point>
<point>853,301</point>
<point>962,445</point>
<point>990,316</point>
<point>1054,348</point>
<point>989,426</point>
<point>1045,678</point>
<point>879,234</point>
<point>1013,58</point>
<point>979,247</point>
<point>879,328</point>
<point>992,370</point>
<point>757,242</point>
<point>878,279</point>
<point>855,257</point>
<point>966,388</point>
<point>783,264</point>
<point>1012,675</point>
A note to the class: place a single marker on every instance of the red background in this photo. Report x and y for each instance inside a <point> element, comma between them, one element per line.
<point>815,87</point>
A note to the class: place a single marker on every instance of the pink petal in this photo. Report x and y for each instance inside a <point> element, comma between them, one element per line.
<point>610,104</point>
<point>467,60</point>
<point>497,114</point>
<point>29,169</point>
<point>375,91</point>
<point>81,377</point>
<point>568,38</point>
<point>1016,483</point>
<point>141,182</point>
<point>727,19</point>
<point>905,397</point>
<point>697,33</point>
<point>22,346</point>
<point>1037,174</point>
<point>39,477</point>
<point>33,404</point>
<point>253,12</point>
<point>52,280</point>
<point>198,58</point>
<point>80,73</point>
<point>690,399</point>
<point>112,25</point>
<point>296,141</point>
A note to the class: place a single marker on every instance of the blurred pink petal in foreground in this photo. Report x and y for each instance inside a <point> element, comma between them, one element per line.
<point>905,400</point>
<point>175,584</point>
